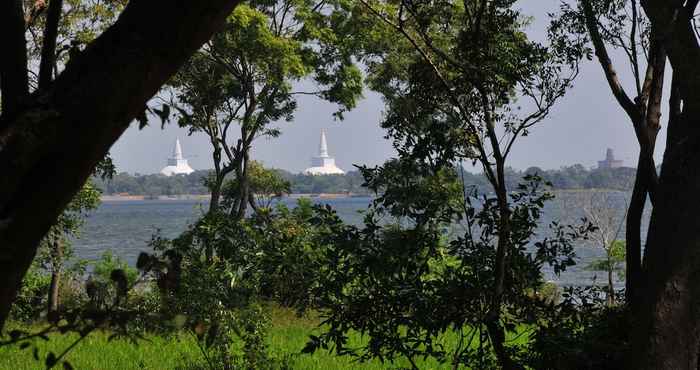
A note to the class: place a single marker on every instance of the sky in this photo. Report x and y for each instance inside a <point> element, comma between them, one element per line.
<point>579,129</point>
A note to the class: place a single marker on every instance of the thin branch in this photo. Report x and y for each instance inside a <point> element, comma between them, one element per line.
<point>633,46</point>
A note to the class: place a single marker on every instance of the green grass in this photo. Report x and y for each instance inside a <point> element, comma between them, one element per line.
<point>287,337</point>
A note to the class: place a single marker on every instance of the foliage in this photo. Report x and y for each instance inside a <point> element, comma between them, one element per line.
<point>405,288</point>
<point>80,23</point>
<point>581,332</point>
<point>52,257</point>
<point>218,295</point>
<point>290,256</point>
<point>266,184</point>
<point>287,335</point>
<point>565,178</point>
<point>614,261</point>
<point>246,74</point>
<point>153,185</point>
<point>462,82</point>
<point>115,315</point>
<point>100,285</point>
<point>31,299</point>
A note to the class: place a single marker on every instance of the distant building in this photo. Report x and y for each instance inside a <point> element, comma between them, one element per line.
<point>323,164</point>
<point>177,164</point>
<point>610,161</point>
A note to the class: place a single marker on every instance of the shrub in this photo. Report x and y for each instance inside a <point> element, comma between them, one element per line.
<point>31,300</point>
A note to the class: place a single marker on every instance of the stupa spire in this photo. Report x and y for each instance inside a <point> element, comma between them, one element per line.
<point>177,164</point>
<point>177,149</point>
<point>323,145</point>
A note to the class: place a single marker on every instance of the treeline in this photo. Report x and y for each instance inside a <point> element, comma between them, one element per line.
<point>568,177</point>
<point>156,184</point>
<point>153,185</point>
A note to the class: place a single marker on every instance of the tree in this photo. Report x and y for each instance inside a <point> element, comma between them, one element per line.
<point>612,264</point>
<point>603,210</point>
<point>105,86</point>
<point>621,25</point>
<point>457,78</point>
<point>55,248</point>
<point>668,321</point>
<point>265,186</point>
<point>247,74</point>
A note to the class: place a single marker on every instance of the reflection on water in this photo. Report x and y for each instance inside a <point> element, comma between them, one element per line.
<point>125,227</point>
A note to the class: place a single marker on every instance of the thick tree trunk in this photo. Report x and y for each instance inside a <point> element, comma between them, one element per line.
<point>50,146</point>
<point>633,244</point>
<point>668,324</point>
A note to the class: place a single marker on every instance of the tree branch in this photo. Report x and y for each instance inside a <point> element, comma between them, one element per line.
<point>604,59</point>
<point>48,50</point>
<point>14,83</point>
<point>50,147</point>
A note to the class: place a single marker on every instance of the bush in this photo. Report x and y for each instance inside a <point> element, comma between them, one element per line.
<point>31,300</point>
<point>582,332</point>
<point>99,286</point>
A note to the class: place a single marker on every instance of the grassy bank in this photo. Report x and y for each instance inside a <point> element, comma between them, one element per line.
<point>287,337</point>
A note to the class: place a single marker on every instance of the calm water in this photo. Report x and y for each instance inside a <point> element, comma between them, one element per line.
<point>125,227</point>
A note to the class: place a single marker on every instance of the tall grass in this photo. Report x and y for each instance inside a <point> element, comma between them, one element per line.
<point>287,337</point>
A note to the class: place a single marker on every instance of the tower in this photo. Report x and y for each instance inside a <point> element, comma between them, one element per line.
<point>323,164</point>
<point>177,164</point>
<point>610,161</point>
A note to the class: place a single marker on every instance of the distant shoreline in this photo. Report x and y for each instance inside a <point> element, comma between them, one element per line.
<point>206,197</point>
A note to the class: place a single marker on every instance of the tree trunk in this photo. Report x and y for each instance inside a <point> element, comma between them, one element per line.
<point>49,147</point>
<point>56,269</point>
<point>633,242</point>
<point>48,50</point>
<point>244,186</point>
<point>670,332</point>
<point>216,194</point>
<point>493,323</point>
<point>611,287</point>
<point>668,325</point>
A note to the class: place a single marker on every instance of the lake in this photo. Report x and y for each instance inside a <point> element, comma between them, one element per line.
<point>126,227</point>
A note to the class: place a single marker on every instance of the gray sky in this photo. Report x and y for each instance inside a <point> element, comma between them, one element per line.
<point>579,129</point>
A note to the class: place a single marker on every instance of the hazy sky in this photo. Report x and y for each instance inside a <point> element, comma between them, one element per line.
<point>579,129</point>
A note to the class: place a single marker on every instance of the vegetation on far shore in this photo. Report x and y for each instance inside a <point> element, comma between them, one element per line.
<point>565,178</point>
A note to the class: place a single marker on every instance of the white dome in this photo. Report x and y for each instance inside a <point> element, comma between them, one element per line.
<point>325,170</point>
<point>176,170</point>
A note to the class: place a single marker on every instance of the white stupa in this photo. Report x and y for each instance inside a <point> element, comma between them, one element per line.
<point>323,164</point>
<point>177,164</point>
